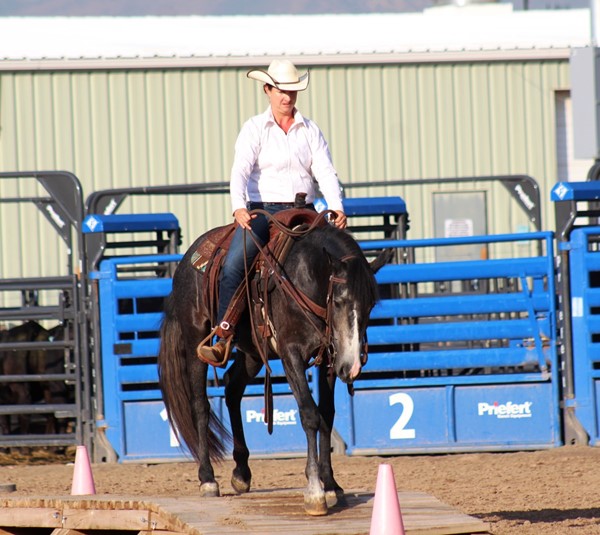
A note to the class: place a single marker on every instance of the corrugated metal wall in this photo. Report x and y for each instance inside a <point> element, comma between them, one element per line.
<point>153,127</point>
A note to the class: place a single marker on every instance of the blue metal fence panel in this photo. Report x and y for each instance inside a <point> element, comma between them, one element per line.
<point>584,254</point>
<point>458,370</point>
<point>134,418</point>
<point>472,370</point>
<point>575,191</point>
<point>374,206</point>
<point>417,419</point>
<point>96,223</point>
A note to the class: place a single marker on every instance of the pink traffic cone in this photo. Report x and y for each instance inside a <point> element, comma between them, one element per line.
<point>386,518</point>
<point>83,480</point>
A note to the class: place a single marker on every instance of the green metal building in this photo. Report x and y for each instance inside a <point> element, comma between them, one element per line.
<point>450,92</point>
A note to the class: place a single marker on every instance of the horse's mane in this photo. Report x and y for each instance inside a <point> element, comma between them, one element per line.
<point>341,245</point>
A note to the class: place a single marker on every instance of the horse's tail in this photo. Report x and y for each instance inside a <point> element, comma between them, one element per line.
<point>176,387</point>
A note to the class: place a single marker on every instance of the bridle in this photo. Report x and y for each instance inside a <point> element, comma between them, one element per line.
<point>305,303</point>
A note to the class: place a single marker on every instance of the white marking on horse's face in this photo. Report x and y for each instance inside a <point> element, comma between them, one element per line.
<point>347,342</point>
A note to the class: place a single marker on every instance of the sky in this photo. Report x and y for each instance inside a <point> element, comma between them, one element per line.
<point>239,7</point>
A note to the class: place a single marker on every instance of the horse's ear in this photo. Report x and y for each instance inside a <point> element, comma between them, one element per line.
<point>336,265</point>
<point>381,259</point>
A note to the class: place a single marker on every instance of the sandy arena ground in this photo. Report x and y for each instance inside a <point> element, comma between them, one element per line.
<point>552,492</point>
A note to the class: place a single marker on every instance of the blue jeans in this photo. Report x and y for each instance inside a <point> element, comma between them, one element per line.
<point>233,272</point>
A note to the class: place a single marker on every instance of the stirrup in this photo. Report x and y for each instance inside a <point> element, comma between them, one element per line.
<point>206,352</point>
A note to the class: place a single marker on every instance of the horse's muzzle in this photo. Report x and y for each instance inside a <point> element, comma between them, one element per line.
<point>349,373</point>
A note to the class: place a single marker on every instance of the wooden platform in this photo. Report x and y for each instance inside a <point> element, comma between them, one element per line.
<point>259,512</point>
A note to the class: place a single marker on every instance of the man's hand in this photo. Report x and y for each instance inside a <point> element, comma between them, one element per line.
<point>243,218</point>
<point>340,220</point>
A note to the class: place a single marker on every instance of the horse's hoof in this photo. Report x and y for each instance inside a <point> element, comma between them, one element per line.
<point>239,485</point>
<point>335,498</point>
<point>209,490</point>
<point>315,506</point>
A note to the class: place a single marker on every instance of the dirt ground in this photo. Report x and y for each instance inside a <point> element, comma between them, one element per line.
<point>552,492</point>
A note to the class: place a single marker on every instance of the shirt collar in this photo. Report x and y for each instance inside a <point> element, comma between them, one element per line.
<point>298,117</point>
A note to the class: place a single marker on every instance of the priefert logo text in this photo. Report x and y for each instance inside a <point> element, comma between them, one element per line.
<point>505,410</point>
<point>279,417</point>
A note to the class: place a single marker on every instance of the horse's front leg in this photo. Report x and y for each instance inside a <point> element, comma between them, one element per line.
<point>314,496</point>
<point>237,377</point>
<point>333,492</point>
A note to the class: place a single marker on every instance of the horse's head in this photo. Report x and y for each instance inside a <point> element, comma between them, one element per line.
<point>353,296</point>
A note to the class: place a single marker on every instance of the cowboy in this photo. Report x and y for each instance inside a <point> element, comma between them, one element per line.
<point>278,154</point>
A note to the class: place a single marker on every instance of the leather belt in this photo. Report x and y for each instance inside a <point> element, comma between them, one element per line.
<point>263,205</point>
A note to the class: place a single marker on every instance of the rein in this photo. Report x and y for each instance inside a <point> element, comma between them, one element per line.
<point>305,303</point>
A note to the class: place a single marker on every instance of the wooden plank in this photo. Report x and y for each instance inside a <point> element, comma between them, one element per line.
<point>105,519</point>
<point>158,522</point>
<point>259,512</point>
<point>31,516</point>
<point>282,513</point>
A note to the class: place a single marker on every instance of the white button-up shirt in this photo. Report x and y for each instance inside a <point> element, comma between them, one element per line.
<point>270,166</point>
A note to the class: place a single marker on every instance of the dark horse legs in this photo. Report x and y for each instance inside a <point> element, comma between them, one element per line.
<point>322,491</point>
<point>333,492</point>
<point>315,502</point>
<point>323,256</point>
<point>201,413</point>
<point>182,378</point>
<point>237,377</point>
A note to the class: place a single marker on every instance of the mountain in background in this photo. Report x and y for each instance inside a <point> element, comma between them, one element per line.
<point>239,7</point>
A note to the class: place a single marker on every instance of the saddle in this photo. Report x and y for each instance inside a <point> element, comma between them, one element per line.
<point>210,256</point>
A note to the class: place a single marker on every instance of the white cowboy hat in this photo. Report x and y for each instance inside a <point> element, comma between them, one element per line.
<point>282,74</point>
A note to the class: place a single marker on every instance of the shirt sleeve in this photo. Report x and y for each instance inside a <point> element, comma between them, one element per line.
<point>323,170</point>
<point>247,147</point>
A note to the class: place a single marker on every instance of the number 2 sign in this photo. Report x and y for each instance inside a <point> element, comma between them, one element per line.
<point>399,430</point>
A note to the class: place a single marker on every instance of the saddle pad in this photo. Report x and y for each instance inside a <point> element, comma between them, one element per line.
<point>219,237</point>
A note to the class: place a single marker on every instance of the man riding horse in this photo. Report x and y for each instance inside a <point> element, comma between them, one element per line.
<point>278,154</point>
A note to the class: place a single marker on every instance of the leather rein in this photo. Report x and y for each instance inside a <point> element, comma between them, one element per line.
<point>308,307</point>
<point>305,303</point>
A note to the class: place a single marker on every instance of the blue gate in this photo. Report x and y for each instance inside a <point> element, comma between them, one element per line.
<point>578,236</point>
<point>462,354</point>
<point>585,324</point>
<point>130,314</point>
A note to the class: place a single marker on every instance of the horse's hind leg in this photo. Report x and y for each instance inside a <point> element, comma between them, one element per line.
<point>237,378</point>
<point>200,406</point>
